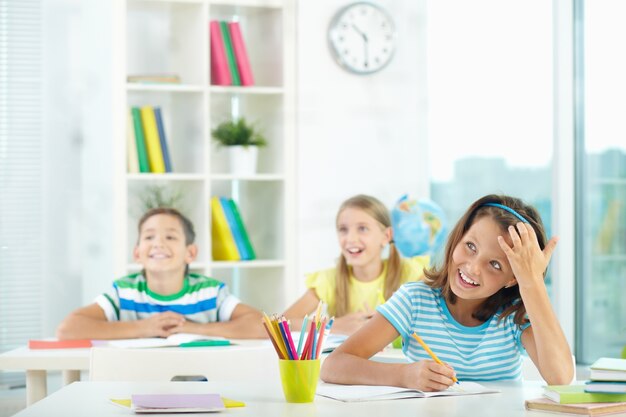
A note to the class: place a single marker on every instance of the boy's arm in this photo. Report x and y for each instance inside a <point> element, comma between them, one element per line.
<point>90,322</point>
<point>245,323</point>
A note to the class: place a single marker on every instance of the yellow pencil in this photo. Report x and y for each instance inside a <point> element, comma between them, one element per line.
<point>430,352</point>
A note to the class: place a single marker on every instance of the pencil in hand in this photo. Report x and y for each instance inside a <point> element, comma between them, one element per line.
<point>430,352</point>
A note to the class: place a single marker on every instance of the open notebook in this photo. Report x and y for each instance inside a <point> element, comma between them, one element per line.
<point>178,339</point>
<point>351,393</point>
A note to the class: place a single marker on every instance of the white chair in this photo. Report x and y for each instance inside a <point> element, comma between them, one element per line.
<point>232,363</point>
<point>531,373</point>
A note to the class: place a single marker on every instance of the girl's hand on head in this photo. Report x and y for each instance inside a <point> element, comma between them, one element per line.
<point>528,262</point>
<point>162,324</point>
<point>428,375</point>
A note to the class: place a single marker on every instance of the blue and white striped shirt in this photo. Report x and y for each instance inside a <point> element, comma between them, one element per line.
<point>201,300</point>
<point>491,351</point>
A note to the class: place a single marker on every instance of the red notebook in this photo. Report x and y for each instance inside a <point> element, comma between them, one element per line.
<point>59,344</point>
<point>220,75</point>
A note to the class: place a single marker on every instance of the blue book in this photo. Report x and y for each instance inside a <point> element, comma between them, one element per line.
<point>166,153</point>
<point>234,229</point>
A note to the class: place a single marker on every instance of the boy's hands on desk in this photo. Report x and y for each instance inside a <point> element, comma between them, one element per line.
<point>163,324</point>
<point>428,375</point>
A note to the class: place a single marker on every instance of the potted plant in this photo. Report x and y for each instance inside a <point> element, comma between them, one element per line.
<point>242,141</point>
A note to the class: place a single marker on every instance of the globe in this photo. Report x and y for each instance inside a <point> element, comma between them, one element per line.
<point>419,227</point>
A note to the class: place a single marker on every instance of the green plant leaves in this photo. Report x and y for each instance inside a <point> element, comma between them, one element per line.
<point>238,132</point>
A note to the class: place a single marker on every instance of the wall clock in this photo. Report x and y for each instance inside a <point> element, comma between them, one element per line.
<point>362,37</point>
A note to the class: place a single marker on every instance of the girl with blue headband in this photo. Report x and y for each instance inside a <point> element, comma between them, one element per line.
<point>479,312</point>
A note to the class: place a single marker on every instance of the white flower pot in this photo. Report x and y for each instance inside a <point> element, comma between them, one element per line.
<point>243,159</point>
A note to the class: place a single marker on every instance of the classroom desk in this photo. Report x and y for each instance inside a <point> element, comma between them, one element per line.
<point>37,363</point>
<point>91,399</point>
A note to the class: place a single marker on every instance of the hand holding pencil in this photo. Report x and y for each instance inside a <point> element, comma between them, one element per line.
<point>431,353</point>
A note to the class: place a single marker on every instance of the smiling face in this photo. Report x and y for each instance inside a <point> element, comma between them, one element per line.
<point>361,237</point>
<point>479,268</point>
<point>162,247</point>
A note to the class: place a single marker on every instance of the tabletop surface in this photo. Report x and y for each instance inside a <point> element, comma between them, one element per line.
<point>92,399</point>
<point>23,358</point>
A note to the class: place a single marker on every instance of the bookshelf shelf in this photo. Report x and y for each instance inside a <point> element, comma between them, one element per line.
<point>258,177</point>
<point>173,88</point>
<point>165,177</point>
<point>172,37</point>
<point>246,90</point>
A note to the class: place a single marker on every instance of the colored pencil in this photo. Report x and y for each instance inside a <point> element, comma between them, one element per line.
<point>430,352</point>
<point>302,332</point>
<point>292,346</point>
<point>269,333</point>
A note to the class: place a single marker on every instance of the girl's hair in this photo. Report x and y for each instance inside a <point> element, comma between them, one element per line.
<point>190,234</point>
<point>507,298</point>
<point>377,210</point>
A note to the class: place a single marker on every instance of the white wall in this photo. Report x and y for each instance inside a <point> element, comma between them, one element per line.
<point>356,134</point>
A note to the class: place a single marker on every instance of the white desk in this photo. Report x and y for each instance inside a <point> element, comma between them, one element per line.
<point>91,399</point>
<point>37,363</point>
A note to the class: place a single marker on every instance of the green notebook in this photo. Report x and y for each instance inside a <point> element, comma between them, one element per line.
<point>575,394</point>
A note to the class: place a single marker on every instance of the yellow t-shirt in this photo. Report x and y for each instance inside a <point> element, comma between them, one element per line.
<point>360,293</point>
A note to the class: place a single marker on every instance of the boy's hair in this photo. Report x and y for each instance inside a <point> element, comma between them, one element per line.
<point>190,234</point>
<point>507,298</point>
<point>378,211</point>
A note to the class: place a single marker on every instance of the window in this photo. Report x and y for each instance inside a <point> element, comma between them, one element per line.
<point>490,92</point>
<point>601,183</point>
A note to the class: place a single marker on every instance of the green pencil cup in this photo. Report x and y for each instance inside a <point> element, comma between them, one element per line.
<point>397,343</point>
<point>299,379</point>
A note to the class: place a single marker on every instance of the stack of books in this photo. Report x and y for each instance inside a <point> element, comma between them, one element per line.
<point>604,394</point>
<point>229,237</point>
<point>146,144</point>
<point>230,64</point>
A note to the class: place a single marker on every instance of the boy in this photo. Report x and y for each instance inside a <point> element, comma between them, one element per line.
<point>164,298</point>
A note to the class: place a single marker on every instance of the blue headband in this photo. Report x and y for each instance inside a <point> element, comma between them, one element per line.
<point>509,209</point>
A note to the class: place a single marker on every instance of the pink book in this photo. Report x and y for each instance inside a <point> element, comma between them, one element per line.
<point>220,75</point>
<point>241,56</point>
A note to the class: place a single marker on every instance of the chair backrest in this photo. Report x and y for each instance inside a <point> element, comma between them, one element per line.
<point>230,363</point>
<point>531,373</point>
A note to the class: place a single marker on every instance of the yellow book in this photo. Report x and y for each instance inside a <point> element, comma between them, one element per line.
<point>224,246</point>
<point>155,155</point>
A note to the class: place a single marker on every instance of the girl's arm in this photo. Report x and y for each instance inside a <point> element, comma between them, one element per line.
<point>350,364</point>
<point>303,306</point>
<point>544,339</point>
<point>306,304</point>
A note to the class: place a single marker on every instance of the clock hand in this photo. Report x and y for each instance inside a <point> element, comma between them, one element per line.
<point>360,32</point>
<point>365,44</point>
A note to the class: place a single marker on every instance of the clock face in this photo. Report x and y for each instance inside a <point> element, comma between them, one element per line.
<point>362,38</point>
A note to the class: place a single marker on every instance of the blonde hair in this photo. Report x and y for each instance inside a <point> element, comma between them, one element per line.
<point>377,210</point>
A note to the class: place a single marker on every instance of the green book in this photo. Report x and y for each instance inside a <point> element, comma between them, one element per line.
<point>244,232</point>
<point>142,153</point>
<point>230,53</point>
<point>575,394</point>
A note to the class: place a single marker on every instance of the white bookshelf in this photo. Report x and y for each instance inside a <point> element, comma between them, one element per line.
<point>173,37</point>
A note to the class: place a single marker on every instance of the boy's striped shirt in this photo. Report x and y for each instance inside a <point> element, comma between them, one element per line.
<point>201,300</point>
<point>491,351</point>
